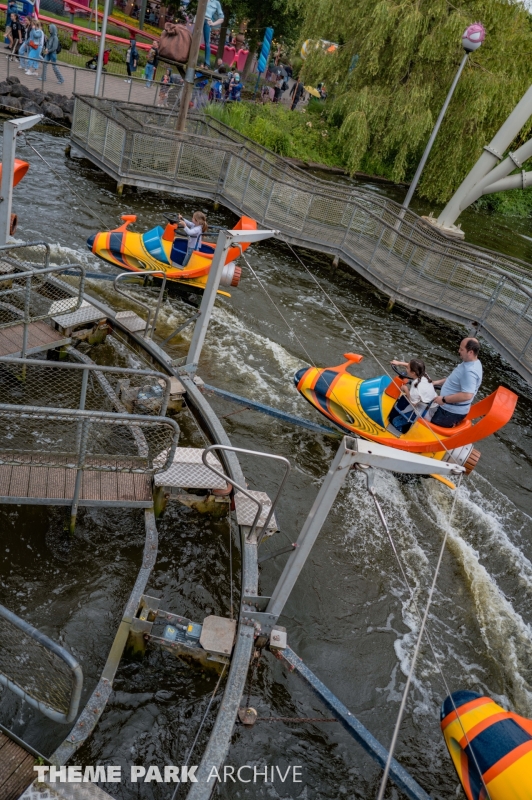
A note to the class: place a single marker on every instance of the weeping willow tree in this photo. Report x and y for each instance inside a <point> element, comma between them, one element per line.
<point>389,77</point>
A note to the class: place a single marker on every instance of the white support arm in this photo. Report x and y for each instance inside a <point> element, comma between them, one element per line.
<point>11,130</point>
<point>226,239</point>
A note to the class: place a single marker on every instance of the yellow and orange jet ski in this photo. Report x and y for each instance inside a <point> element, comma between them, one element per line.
<point>159,249</point>
<point>362,407</point>
<point>491,748</point>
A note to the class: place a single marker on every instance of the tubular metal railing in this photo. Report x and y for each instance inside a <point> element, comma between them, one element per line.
<point>257,520</point>
<point>150,322</point>
<point>38,669</point>
<point>61,384</point>
<point>33,295</point>
<point>401,255</point>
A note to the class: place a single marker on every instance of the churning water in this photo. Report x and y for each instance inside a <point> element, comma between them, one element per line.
<point>350,617</point>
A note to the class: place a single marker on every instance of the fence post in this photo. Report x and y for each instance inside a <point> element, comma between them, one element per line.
<point>82,452</point>
<point>27,301</point>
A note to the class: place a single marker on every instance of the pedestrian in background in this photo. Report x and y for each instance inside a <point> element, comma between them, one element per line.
<point>50,54</point>
<point>151,64</point>
<point>214,16</point>
<point>165,88</point>
<point>296,93</point>
<point>132,59</point>
<point>11,9</point>
<point>16,35</point>
<point>35,46</point>
<point>22,62</point>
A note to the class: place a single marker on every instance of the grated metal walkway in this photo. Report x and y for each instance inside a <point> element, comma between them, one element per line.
<point>396,251</point>
<point>34,484</point>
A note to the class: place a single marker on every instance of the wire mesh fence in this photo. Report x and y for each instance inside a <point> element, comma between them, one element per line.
<point>394,249</point>
<point>28,296</point>
<point>38,382</point>
<point>36,668</point>
<point>85,440</point>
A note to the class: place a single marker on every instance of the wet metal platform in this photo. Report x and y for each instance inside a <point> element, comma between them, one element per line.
<point>41,337</point>
<point>16,768</point>
<point>34,484</point>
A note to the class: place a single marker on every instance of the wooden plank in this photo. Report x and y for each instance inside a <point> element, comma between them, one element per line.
<point>70,483</point>
<point>142,485</point>
<point>3,740</point>
<point>37,482</point>
<point>20,779</point>
<point>90,487</point>
<point>109,486</point>
<point>126,487</point>
<point>55,486</point>
<point>19,482</point>
<point>5,479</point>
<point>11,756</point>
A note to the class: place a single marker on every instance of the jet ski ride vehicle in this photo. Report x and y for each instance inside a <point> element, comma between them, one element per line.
<point>491,748</point>
<point>363,407</point>
<point>159,249</point>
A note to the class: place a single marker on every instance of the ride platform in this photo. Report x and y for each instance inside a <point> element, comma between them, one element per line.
<point>35,484</point>
<point>16,768</point>
<point>41,337</point>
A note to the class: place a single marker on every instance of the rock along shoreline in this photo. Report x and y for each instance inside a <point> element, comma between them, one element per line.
<point>16,98</point>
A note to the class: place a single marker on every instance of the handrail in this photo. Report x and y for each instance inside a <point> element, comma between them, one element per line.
<point>246,491</point>
<point>125,276</point>
<point>62,654</point>
<point>8,247</point>
<point>399,253</point>
<point>65,365</point>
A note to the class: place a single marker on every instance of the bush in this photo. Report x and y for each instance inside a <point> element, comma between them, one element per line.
<point>288,133</point>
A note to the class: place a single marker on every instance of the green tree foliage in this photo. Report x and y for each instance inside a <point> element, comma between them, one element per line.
<point>386,102</point>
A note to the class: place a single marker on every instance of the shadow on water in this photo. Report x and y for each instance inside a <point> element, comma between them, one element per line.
<point>350,617</point>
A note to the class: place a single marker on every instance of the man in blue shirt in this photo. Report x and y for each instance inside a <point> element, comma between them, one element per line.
<point>214,16</point>
<point>459,389</point>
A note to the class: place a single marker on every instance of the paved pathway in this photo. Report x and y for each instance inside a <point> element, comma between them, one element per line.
<point>82,81</point>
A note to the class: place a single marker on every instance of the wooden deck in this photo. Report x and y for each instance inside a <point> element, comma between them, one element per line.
<point>16,769</point>
<point>34,484</point>
<point>40,337</point>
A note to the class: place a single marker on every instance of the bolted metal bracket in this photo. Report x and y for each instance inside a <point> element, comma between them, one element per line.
<point>254,613</point>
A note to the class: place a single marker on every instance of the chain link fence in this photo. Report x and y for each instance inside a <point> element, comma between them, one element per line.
<point>393,249</point>
<point>37,669</point>
<point>85,440</point>
<point>49,384</point>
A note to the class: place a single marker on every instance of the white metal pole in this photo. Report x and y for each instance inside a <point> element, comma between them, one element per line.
<point>11,129</point>
<point>223,244</point>
<point>103,34</point>
<point>433,135</point>
<point>350,452</point>
<point>334,480</point>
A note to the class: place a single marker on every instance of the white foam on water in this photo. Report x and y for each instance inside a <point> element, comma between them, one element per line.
<point>507,636</point>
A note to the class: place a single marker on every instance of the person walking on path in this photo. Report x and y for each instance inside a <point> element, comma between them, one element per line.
<point>296,93</point>
<point>35,46</point>
<point>149,69</point>
<point>11,9</point>
<point>16,36</point>
<point>132,59</point>
<point>23,62</point>
<point>214,16</point>
<point>50,54</point>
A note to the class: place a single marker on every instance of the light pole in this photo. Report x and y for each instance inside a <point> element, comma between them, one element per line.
<point>471,40</point>
<point>103,33</point>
